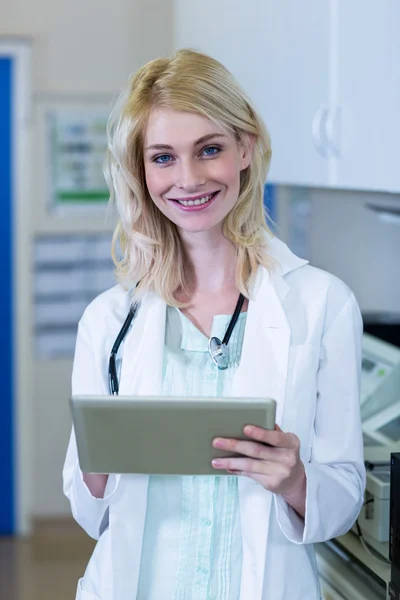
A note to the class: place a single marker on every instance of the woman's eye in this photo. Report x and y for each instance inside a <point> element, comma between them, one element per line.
<point>162,159</point>
<point>211,150</point>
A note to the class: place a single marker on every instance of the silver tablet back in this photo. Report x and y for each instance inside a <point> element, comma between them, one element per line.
<point>161,435</point>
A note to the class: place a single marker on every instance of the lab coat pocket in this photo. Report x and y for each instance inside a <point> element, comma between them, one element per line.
<point>82,594</point>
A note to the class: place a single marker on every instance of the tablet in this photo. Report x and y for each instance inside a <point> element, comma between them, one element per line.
<point>161,435</point>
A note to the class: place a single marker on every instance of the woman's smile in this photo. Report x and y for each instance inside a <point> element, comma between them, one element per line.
<point>195,203</point>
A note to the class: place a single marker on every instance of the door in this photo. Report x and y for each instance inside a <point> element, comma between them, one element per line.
<point>15,423</point>
<point>280,53</point>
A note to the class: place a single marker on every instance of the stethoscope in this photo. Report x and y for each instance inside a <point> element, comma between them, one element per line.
<point>218,350</point>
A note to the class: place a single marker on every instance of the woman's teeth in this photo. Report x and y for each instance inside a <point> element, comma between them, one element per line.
<point>197,202</point>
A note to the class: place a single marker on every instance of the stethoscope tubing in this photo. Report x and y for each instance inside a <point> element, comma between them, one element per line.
<point>112,367</point>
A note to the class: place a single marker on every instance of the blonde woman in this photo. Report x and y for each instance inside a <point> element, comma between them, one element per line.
<point>187,161</point>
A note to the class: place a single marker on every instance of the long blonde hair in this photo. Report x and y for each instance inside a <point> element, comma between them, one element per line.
<point>152,252</point>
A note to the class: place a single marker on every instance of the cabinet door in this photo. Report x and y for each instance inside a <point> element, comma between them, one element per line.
<point>368,84</point>
<point>280,53</point>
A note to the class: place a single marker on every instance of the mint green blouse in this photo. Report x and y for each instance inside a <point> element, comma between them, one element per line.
<point>192,545</point>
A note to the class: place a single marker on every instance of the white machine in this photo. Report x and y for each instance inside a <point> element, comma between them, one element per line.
<point>351,569</point>
<point>374,516</point>
<point>380,378</point>
<point>380,399</point>
<point>380,412</point>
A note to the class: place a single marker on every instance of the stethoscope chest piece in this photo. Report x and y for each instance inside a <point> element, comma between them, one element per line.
<point>219,352</point>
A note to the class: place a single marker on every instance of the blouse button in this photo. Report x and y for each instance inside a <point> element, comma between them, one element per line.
<point>207,522</point>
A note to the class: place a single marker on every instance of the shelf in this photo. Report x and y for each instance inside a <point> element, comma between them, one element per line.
<point>352,544</point>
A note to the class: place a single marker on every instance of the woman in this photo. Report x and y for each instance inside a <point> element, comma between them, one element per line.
<point>187,161</point>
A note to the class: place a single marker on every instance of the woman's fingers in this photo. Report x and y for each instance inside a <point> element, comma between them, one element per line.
<point>239,466</point>
<point>275,437</point>
<point>248,448</point>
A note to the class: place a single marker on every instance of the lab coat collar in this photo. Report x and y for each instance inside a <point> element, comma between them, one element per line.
<point>284,258</point>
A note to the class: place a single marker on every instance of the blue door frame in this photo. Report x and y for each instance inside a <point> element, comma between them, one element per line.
<point>7,516</point>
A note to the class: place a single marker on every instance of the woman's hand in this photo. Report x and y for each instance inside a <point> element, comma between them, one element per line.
<point>276,466</point>
<point>96,483</point>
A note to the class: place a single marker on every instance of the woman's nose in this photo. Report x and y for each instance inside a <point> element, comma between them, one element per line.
<point>190,176</point>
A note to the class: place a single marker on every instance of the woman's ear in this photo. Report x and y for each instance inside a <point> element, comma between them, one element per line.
<point>247,144</point>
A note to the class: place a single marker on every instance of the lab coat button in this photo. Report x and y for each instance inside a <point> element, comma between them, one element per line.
<point>207,522</point>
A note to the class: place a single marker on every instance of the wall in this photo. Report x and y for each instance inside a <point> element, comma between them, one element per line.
<point>89,45</point>
<point>79,47</point>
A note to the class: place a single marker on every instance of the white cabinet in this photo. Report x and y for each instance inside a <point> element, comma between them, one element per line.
<point>325,76</point>
<point>367,98</point>
<point>291,87</point>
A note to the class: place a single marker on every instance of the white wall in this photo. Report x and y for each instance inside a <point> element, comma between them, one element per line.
<point>79,47</point>
<point>89,45</point>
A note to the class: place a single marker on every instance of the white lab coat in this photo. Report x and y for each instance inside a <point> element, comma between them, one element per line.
<point>302,346</point>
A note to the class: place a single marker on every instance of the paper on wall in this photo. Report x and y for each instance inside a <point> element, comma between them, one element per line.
<point>69,272</point>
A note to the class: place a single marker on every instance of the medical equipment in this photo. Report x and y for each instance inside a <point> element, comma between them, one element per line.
<point>380,399</point>
<point>380,412</point>
<point>112,366</point>
<point>383,428</point>
<point>218,350</point>
<point>355,566</point>
<point>161,435</point>
<point>373,520</point>
<point>394,550</point>
<point>380,376</point>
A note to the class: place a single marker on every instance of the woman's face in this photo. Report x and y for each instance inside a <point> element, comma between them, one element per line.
<point>192,168</point>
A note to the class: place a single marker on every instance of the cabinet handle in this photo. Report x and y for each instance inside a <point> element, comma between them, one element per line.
<point>318,130</point>
<point>331,130</point>
<point>387,214</point>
